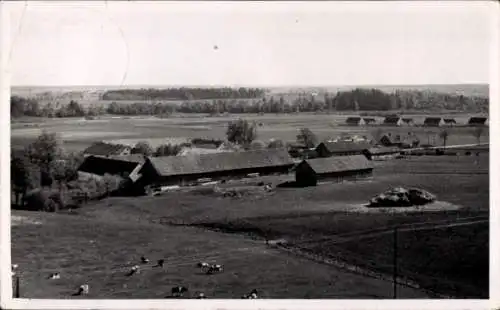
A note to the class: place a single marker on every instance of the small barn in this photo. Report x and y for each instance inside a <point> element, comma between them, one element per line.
<point>183,170</point>
<point>341,148</point>
<point>370,121</point>
<point>310,172</point>
<point>107,149</point>
<point>381,153</point>
<point>433,122</point>
<point>392,121</point>
<point>355,121</point>
<point>449,121</point>
<point>408,121</point>
<point>126,166</point>
<point>477,121</point>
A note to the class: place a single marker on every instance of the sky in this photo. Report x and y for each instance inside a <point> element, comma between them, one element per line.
<point>249,43</point>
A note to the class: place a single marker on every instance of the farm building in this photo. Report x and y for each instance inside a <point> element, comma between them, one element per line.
<point>477,121</point>
<point>433,122</point>
<point>355,121</point>
<point>449,121</point>
<point>369,121</point>
<point>107,149</point>
<point>378,153</point>
<point>341,148</point>
<point>182,170</point>
<point>125,166</point>
<point>311,171</point>
<point>398,140</point>
<point>408,121</point>
<point>392,121</point>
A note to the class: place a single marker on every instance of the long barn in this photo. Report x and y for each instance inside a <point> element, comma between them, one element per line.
<point>182,170</point>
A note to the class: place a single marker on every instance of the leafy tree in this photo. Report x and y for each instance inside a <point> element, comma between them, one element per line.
<point>167,150</point>
<point>276,144</point>
<point>241,132</point>
<point>44,150</point>
<point>477,133</point>
<point>444,134</point>
<point>307,138</point>
<point>24,176</point>
<point>142,147</point>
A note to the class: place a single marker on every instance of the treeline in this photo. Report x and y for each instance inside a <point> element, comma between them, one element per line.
<point>354,100</point>
<point>183,93</point>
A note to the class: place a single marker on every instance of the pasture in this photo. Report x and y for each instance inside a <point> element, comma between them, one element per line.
<point>80,133</point>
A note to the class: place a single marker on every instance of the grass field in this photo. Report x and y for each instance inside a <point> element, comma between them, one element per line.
<point>79,133</point>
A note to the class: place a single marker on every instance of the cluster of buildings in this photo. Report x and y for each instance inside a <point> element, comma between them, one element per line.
<point>395,120</point>
<point>333,160</point>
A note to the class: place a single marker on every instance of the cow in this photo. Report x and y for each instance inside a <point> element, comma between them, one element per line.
<point>214,268</point>
<point>160,263</point>
<point>251,295</point>
<point>82,290</point>
<point>178,291</point>
<point>144,260</point>
<point>54,276</point>
<point>203,266</point>
<point>135,269</point>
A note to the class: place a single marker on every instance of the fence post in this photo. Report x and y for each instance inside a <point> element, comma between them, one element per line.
<point>395,262</point>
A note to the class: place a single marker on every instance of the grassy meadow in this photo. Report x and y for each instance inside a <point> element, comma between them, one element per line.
<point>77,133</point>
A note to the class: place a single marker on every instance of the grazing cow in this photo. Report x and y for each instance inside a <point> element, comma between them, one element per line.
<point>203,266</point>
<point>144,260</point>
<point>251,295</point>
<point>135,269</point>
<point>83,290</point>
<point>160,263</point>
<point>214,269</point>
<point>178,291</point>
<point>54,276</point>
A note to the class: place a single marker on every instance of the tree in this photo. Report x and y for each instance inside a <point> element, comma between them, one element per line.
<point>44,150</point>
<point>276,144</point>
<point>307,137</point>
<point>241,132</point>
<point>477,133</point>
<point>24,176</point>
<point>444,134</point>
<point>257,145</point>
<point>167,150</point>
<point>142,147</point>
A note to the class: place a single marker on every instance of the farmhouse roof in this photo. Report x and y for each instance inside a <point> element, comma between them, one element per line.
<point>113,165</point>
<point>339,164</point>
<point>477,120</point>
<point>182,165</point>
<point>353,120</point>
<point>131,158</point>
<point>105,149</point>
<point>391,119</point>
<point>344,146</point>
<point>432,120</point>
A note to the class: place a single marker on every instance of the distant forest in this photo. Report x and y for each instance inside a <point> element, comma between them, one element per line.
<point>242,100</point>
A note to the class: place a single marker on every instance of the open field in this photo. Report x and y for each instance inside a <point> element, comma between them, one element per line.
<point>100,253</point>
<point>80,133</point>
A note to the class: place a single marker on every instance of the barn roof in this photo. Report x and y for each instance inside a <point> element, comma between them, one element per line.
<point>353,120</point>
<point>391,119</point>
<point>182,165</point>
<point>432,120</point>
<point>344,146</point>
<point>101,165</point>
<point>478,120</point>
<point>339,164</point>
<point>104,149</point>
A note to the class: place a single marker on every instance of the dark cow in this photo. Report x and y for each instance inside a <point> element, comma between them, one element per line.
<point>179,291</point>
<point>214,268</point>
<point>160,263</point>
<point>144,260</point>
